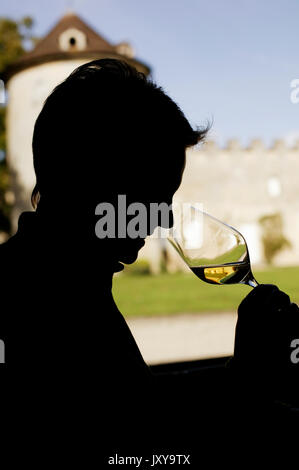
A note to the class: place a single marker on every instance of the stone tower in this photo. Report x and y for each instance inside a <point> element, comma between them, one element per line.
<point>69,44</point>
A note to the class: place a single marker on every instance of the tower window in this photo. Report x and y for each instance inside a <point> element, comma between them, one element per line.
<point>274,186</point>
<point>72,39</point>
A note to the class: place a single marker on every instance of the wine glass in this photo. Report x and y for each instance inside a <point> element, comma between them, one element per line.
<point>216,252</point>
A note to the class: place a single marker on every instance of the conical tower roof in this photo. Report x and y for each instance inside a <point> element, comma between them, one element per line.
<point>73,38</point>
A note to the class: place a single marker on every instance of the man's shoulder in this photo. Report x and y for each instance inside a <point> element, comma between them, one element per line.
<point>11,254</point>
<point>8,247</point>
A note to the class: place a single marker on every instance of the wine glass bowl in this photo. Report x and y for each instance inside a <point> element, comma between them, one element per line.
<point>216,252</point>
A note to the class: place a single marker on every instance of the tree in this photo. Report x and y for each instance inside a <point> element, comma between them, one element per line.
<point>15,38</point>
<point>273,238</point>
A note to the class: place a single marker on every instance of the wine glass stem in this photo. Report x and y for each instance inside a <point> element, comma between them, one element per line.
<point>252,282</point>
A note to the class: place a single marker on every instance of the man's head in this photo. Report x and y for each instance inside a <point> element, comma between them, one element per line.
<point>108,130</point>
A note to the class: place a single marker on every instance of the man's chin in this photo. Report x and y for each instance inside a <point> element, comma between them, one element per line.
<point>129,259</point>
<point>118,267</point>
<point>130,253</point>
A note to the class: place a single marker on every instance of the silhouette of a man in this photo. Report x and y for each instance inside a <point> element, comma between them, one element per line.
<point>103,132</point>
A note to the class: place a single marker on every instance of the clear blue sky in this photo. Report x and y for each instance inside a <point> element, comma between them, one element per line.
<point>232,60</point>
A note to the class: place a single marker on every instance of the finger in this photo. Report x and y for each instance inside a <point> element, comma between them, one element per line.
<point>258,296</point>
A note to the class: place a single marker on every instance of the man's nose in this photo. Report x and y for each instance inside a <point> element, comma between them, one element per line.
<point>166,220</point>
<point>171,219</point>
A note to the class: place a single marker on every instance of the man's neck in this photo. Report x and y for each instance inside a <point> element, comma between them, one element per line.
<point>75,239</point>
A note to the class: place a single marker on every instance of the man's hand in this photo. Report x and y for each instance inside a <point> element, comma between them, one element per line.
<point>267,325</point>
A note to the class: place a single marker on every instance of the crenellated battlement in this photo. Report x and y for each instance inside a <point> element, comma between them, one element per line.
<point>234,145</point>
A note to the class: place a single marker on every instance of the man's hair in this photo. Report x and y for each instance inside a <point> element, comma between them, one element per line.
<point>92,119</point>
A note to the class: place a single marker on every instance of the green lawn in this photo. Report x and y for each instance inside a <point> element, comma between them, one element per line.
<point>167,294</point>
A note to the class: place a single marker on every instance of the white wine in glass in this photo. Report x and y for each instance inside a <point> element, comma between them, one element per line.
<point>215,252</point>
